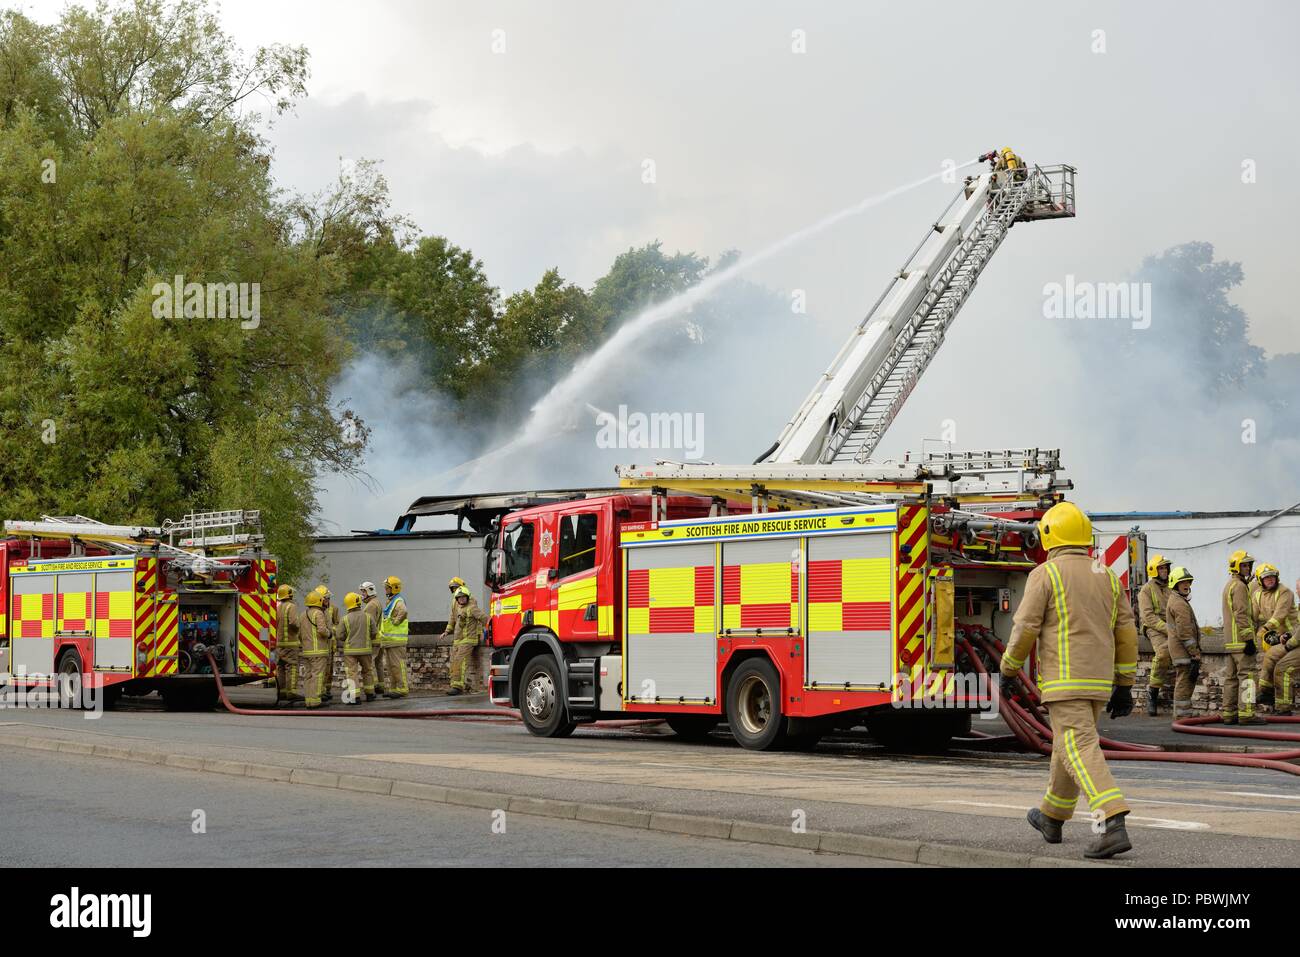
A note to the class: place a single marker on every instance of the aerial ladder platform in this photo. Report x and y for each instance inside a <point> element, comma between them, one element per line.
<point>823,455</point>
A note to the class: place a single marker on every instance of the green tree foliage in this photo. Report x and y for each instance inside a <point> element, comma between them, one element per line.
<point>128,156</point>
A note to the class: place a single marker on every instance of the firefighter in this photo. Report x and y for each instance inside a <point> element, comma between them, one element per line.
<point>470,620</point>
<point>374,611</point>
<point>1287,675</point>
<point>336,631</point>
<point>287,647</point>
<point>452,586</point>
<point>1184,640</point>
<point>1083,626</point>
<point>315,648</point>
<point>1151,615</point>
<point>393,629</point>
<point>1274,608</point>
<point>358,660</point>
<point>1239,643</point>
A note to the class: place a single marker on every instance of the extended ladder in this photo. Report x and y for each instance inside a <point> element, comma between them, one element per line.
<point>857,399</point>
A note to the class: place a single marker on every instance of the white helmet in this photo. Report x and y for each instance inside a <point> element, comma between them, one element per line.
<point>368,589</point>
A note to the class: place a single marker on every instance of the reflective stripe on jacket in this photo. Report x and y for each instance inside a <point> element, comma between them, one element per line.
<point>316,634</point>
<point>393,626</point>
<point>1275,611</point>
<point>1151,606</point>
<point>1076,612</point>
<point>356,633</point>
<point>1183,628</point>
<point>1238,622</point>
<point>286,625</point>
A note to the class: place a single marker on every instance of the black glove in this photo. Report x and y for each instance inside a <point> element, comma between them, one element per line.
<point>1007,686</point>
<point>1194,672</point>
<point>1121,702</point>
<point>1251,650</point>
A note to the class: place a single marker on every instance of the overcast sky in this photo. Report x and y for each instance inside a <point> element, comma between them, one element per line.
<point>520,130</point>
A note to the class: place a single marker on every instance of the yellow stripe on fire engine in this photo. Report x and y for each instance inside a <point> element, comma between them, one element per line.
<point>577,595</point>
<point>784,523</point>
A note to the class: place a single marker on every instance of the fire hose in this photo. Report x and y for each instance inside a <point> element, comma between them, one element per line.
<point>451,714</point>
<point>1030,729</point>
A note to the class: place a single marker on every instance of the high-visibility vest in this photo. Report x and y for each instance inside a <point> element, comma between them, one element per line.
<point>391,632</point>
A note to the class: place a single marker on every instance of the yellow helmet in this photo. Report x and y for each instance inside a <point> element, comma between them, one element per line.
<point>1237,559</point>
<point>351,600</point>
<point>1179,574</point>
<point>284,592</point>
<point>462,590</point>
<point>1065,524</point>
<point>1153,566</point>
<point>393,582</point>
<point>455,583</point>
<point>1265,570</point>
<point>313,599</point>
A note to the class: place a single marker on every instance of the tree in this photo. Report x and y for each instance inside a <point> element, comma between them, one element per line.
<point>116,400</point>
<point>641,277</point>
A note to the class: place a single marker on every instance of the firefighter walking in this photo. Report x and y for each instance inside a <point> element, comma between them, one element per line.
<point>1239,643</point>
<point>1184,640</point>
<point>287,647</point>
<point>1151,615</point>
<point>1076,612</point>
<point>1275,611</point>
<point>315,649</point>
<point>470,620</point>
<point>374,611</point>
<point>359,633</point>
<point>393,630</point>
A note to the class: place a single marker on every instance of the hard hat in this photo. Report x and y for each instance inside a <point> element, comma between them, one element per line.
<point>283,592</point>
<point>351,600</point>
<point>455,583</point>
<point>324,592</point>
<point>313,599</point>
<point>1065,524</point>
<point>1153,566</point>
<point>1180,574</point>
<point>1239,558</point>
<point>393,582</point>
<point>462,592</point>
<point>368,589</point>
<point>1266,570</point>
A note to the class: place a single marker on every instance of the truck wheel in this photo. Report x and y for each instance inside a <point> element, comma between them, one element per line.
<point>540,705</point>
<point>68,680</point>
<point>692,727</point>
<point>754,706</point>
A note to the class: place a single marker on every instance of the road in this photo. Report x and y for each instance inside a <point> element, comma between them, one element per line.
<point>1184,816</point>
<point>66,811</point>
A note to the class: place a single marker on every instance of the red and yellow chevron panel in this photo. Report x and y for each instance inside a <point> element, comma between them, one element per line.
<point>32,616</point>
<point>668,601</point>
<point>912,540</point>
<point>166,642</point>
<point>254,634</point>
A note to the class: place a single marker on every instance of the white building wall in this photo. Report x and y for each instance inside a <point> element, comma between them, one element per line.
<point>1203,543</point>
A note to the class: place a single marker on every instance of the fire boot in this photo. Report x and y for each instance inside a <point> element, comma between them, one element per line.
<point>1114,841</point>
<point>1251,719</point>
<point>1265,695</point>
<point>1153,705</point>
<point>1049,827</point>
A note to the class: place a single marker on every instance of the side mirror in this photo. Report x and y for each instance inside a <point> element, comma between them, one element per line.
<point>494,574</point>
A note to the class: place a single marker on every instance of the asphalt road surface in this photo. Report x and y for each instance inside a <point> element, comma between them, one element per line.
<point>1183,816</point>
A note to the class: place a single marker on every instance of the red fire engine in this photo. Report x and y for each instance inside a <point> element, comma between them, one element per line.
<point>101,610</point>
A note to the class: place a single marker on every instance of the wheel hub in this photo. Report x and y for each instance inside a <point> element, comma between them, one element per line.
<point>755,705</point>
<point>539,697</point>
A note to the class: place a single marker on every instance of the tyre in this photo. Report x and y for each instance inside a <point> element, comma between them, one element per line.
<point>540,703</point>
<point>754,706</point>
<point>692,727</point>
<point>68,680</point>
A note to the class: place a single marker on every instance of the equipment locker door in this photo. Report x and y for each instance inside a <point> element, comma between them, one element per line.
<point>114,621</point>
<point>671,623</point>
<point>31,624</point>
<point>850,611</point>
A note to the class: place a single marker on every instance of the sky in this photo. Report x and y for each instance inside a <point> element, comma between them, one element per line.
<point>522,130</point>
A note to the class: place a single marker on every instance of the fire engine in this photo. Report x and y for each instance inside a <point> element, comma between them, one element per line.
<point>814,589</point>
<point>96,609</point>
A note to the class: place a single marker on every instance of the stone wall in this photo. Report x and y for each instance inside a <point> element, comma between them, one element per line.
<point>428,659</point>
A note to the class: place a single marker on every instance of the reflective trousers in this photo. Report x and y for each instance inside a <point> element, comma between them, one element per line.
<point>1268,663</point>
<point>1161,666</point>
<point>395,670</point>
<point>360,670</point>
<point>1077,763</point>
<point>1287,674</point>
<point>286,673</point>
<point>313,667</point>
<point>462,656</point>
<point>377,662</point>
<point>1239,686</point>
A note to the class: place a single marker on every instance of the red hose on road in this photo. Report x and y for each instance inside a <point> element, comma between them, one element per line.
<point>1035,736</point>
<point>455,714</point>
